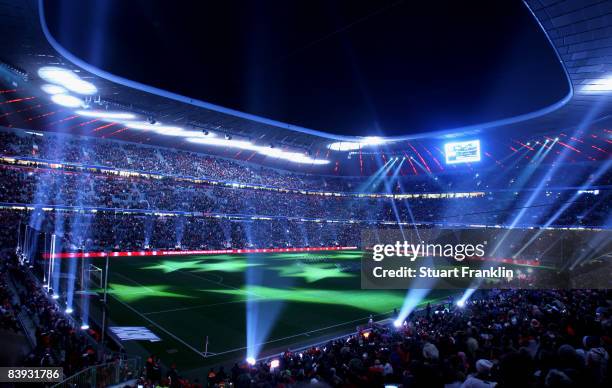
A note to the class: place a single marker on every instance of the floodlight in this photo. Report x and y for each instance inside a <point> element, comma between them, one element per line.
<point>344,146</point>
<point>67,100</point>
<point>295,157</point>
<point>84,326</point>
<point>602,85</point>
<point>106,115</point>
<point>460,303</point>
<point>69,310</point>
<point>67,79</point>
<point>53,89</point>
<point>251,361</point>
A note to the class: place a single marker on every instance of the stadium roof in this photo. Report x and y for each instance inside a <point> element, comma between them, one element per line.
<point>579,31</point>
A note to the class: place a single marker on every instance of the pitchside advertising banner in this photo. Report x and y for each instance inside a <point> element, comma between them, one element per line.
<point>438,258</point>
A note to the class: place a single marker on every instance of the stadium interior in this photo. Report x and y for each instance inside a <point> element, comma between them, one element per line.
<point>152,239</point>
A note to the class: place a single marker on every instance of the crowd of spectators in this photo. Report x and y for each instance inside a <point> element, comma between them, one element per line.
<point>8,319</point>
<point>44,188</point>
<point>137,157</point>
<point>21,184</point>
<point>160,160</point>
<point>510,338</point>
<point>57,341</point>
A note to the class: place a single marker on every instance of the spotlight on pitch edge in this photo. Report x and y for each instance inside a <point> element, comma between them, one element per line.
<point>84,326</point>
<point>464,298</point>
<point>251,360</point>
<point>69,310</point>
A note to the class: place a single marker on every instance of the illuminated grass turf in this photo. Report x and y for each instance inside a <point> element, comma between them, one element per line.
<point>313,272</point>
<point>135,293</point>
<point>175,265</point>
<point>373,301</point>
<point>168,266</point>
<point>226,266</point>
<point>207,295</point>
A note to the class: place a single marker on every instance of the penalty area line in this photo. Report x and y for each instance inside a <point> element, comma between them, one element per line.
<point>152,322</point>
<point>159,327</point>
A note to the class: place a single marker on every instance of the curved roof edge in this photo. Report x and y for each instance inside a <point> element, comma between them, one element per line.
<point>202,104</point>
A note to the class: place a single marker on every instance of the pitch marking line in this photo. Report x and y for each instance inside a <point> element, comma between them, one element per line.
<point>307,333</point>
<point>155,323</point>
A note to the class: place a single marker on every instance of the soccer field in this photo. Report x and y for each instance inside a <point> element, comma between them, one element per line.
<point>303,297</point>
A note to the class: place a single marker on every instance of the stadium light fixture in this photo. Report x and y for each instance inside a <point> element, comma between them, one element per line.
<point>397,323</point>
<point>276,153</point>
<point>188,133</point>
<point>144,125</point>
<point>367,141</point>
<point>171,131</point>
<point>66,78</point>
<point>373,140</point>
<point>344,146</point>
<point>464,298</point>
<point>67,100</point>
<point>601,85</point>
<point>53,89</point>
<point>106,115</point>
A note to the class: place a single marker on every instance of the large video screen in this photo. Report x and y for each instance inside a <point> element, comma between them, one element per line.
<point>462,152</point>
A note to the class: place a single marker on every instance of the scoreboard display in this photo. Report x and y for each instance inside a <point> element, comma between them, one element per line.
<point>462,152</point>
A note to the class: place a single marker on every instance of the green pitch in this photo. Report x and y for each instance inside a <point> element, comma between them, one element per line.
<point>184,299</point>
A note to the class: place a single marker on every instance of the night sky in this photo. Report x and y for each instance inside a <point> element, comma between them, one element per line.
<point>347,67</point>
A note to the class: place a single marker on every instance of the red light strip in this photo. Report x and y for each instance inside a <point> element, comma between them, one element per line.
<point>360,160</point>
<point>81,255</point>
<point>40,116</point>
<point>433,157</point>
<point>599,149</point>
<point>420,157</point>
<point>103,127</point>
<point>569,146</point>
<point>524,145</point>
<point>17,100</point>
<point>116,132</point>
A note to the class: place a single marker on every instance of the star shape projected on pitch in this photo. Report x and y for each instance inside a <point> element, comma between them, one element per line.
<point>312,272</point>
<point>135,293</point>
<point>175,265</point>
<point>373,301</point>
